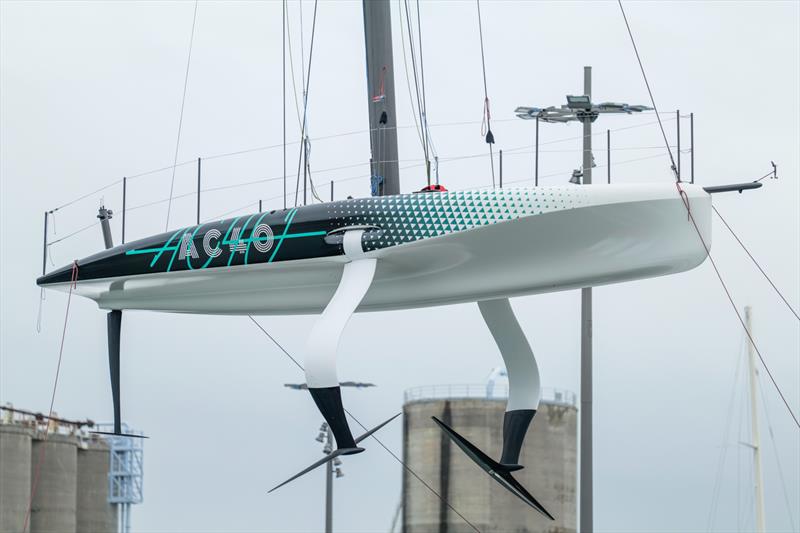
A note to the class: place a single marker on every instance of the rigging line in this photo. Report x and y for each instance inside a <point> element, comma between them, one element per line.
<point>753,259</point>
<point>650,92</point>
<point>334,136</point>
<point>487,116</point>
<point>422,75</point>
<point>291,66</point>
<point>409,28</point>
<point>283,93</point>
<point>43,448</point>
<point>83,197</point>
<point>303,152</point>
<point>777,457</point>
<point>768,174</point>
<point>405,466</point>
<point>180,119</point>
<point>733,305</point>
<point>408,78</point>
<point>74,233</point>
<point>712,512</point>
<point>694,223</point>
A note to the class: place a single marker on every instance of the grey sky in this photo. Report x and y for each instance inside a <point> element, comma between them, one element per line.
<point>90,92</point>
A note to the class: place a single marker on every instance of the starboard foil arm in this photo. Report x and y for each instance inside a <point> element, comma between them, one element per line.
<point>524,389</point>
<point>524,393</point>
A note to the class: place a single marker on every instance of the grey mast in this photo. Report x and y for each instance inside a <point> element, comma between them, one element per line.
<point>380,95</point>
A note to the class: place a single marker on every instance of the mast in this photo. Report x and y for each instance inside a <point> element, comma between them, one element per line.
<point>756,444</point>
<point>380,95</point>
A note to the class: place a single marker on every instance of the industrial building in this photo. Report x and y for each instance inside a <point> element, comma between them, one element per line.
<point>83,482</point>
<point>476,412</point>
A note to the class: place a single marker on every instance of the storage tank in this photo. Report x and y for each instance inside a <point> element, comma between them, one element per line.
<point>94,513</point>
<point>15,475</point>
<point>549,454</point>
<point>55,501</point>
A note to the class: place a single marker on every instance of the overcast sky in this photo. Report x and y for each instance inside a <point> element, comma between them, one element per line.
<point>91,92</point>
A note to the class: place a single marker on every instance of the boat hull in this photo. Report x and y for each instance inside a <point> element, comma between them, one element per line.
<point>612,234</point>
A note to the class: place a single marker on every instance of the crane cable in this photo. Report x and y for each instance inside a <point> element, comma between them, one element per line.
<point>684,197</point>
<point>180,119</point>
<point>486,125</point>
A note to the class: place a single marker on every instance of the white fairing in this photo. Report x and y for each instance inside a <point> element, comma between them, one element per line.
<point>611,234</point>
<point>524,389</point>
<point>323,341</point>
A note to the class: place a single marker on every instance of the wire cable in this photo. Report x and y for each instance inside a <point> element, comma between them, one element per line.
<point>685,200</point>
<point>777,456</point>
<point>408,77</point>
<point>736,310</point>
<point>303,138</point>
<point>715,493</point>
<point>753,259</point>
<point>649,91</point>
<point>487,115</point>
<point>283,94</point>
<point>43,447</point>
<point>180,119</point>
<point>405,466</point>
<point>420,108</point>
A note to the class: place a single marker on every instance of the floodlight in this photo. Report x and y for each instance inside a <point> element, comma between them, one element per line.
<point>576,177</point>
<point>579,102</point>
<point>337,462</point>
<point>320,437</point>
<point>339,473</point>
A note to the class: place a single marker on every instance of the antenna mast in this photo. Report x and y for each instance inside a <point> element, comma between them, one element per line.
<point>380,97</point>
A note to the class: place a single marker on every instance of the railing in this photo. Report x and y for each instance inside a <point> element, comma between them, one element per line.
<point>490,391</point>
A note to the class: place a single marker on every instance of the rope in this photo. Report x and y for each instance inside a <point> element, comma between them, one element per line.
<point>753,259</point>
<point>180,119</point>
<point>43,447</point>
<point>738,315</point>
<point>303,138</point>
<point>424,99</point>
<point>649,91</point>
<point>420,108</point>
<point>396,458</point>
<point>715,493</point>
<point>73,233</point>
<point>283,94</point>
<point>408,78</point>
<point>685,199</point>
<point>777,456</point>
<point>336,136</point>
<point>487,115</point>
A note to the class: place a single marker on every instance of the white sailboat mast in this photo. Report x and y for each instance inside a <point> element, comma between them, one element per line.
<point>756,443</point>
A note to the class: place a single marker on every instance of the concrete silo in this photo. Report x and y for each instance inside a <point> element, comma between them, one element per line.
<point>476,412</point>
<point>94,512</point>
<point>54,505</point>
<point>15,475</point>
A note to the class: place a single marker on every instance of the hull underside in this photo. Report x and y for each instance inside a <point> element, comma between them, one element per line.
<point>581,247</point>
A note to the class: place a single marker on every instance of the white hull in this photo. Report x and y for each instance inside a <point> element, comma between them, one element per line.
<point>618,233</point>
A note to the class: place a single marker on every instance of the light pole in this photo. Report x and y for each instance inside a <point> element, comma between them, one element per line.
<point>581,109</point>
<point>325,436</point>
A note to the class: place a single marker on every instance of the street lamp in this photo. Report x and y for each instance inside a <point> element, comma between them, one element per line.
<point>325,437</point>
<point>581,109</point>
